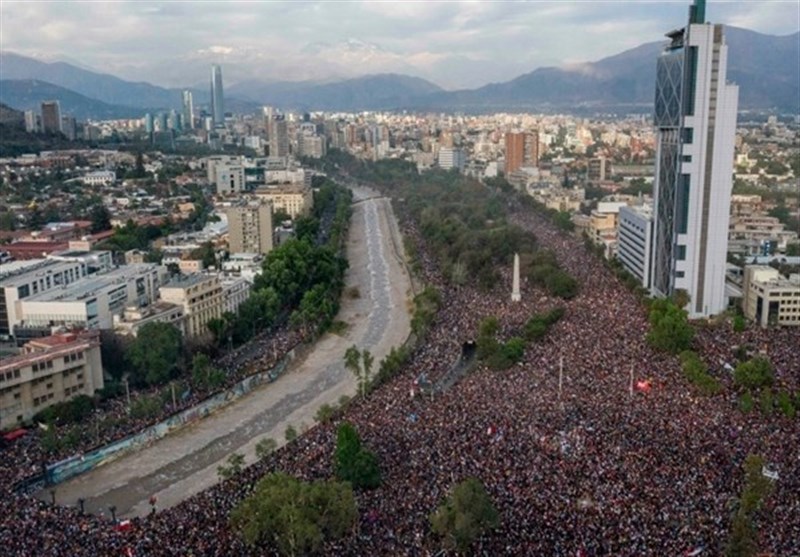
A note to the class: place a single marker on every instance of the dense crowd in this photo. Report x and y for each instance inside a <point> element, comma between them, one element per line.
<point>592,468</point>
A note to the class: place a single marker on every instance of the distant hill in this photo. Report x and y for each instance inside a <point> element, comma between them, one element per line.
<point>361,93</point>
<point>28,94</point>
<point>11,117</point>
<point>764,66</point>
<point>103,87</point>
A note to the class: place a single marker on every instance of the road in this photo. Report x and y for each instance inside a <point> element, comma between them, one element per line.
<point>186,462</point>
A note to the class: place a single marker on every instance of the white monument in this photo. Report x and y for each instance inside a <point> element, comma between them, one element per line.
<point>515,295</point>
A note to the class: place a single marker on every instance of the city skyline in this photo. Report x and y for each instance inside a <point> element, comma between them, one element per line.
<point>453,44</point>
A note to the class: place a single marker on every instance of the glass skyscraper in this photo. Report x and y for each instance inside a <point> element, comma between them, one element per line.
<point>695,119</point>
<point>217,100</point>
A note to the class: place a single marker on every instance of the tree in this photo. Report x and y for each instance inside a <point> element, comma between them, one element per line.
<point>298,517</point>
<point>670,330</point>
<point>754,373</point>
<point>155,354</point>
<point>7,220</point>
<point>352,361</point>
<point>354,463</point>
<point>367,359</point>
<point>204,374</point>
<point>234,465</point>
<point>100,217</point>
<point>265,447</point>
<point>743,539</point>
<point>466,514</point>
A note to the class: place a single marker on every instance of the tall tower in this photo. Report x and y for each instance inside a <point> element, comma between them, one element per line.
<point>278,137</point>
<point>695,119</point>
<point>188,110</point>
<point>51,117</point>
<point>217,100</point>
<point>522,149</point>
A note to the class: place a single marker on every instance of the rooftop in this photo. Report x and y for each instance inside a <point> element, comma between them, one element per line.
<point>20,274</point>
<point>92,285</point>
<point>185,281</point>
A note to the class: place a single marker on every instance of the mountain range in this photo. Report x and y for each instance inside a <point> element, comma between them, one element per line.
<point>766,68</point>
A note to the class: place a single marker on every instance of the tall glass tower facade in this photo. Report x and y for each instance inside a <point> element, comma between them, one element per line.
<point>188,110</point>
<point>695,119</point>
<point>217,99</point>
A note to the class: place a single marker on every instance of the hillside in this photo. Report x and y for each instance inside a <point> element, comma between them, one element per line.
<point>28,94</point>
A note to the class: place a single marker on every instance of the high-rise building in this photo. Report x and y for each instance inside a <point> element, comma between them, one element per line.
<point>278,137</point>
<point>32,121</point>
<point>522,149</point>
<point>250,227</point>
<point>69,127</point>
<point>695,119</point>
<point>51,117</point>
<point>217,99</point>
<point>188,110</point>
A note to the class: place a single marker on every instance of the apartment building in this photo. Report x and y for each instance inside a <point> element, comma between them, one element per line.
<point>200,296</point>
<point>48,371</point>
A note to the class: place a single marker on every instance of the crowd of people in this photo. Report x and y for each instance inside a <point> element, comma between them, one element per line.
<point>576,461</point>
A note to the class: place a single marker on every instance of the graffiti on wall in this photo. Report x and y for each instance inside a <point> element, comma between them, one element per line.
<point>79,464</point>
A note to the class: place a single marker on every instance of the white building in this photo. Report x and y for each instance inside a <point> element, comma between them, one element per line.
<point>229,179</point>
<point>695,117</point>
<point>21,279</point>
<point>634,241</point>
<point>92,302</point>
<point>245,265</point>
<point>769,298</point>
<point>100,178</point>
<point>452,158</point>
<point>235,290</point>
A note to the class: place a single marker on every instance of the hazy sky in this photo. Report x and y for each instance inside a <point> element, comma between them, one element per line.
<point>455,44</point>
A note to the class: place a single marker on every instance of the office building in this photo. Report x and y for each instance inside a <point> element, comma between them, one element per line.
<point>230,178</point>
<point>278,136</point>
<point>250,227</point>
<point>134,318</point>
<point>217,97</point>
<point>769,298</point>
<point>522,149</point>
<point>51,117</point>
<point>200,296</point>
<point>21,279</point>
<point>188,110</point>
<point>598,169</point>
<point>235,291</point>
<point>634,241</point>
<point>294,199</point>
<point>32,121</point>
<point>695,118</point>
<point>90,303</point>
<point>48,371</point>
<point>452,158</point>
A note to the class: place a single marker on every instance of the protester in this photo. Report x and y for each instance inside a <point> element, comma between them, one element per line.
<point>592,467</point>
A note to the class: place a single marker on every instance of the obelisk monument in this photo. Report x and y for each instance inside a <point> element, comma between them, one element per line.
<point>515,295</point>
